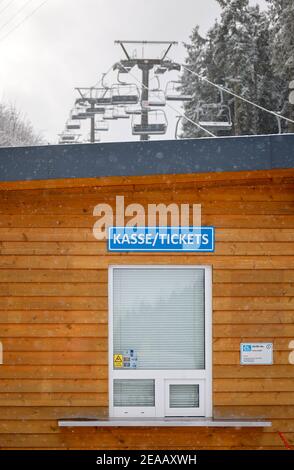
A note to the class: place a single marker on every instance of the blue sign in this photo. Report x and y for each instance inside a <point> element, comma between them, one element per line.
<point>150,239</point>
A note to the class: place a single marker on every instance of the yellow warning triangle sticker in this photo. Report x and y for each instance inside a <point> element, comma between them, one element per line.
<point>118,358</point>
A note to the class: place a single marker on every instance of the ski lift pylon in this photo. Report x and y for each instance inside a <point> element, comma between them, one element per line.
<point>97,138</point>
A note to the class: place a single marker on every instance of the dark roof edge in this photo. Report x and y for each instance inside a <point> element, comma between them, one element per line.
<point>224,154</point>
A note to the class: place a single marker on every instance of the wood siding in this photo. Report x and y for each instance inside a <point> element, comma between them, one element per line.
<point>53,309</point>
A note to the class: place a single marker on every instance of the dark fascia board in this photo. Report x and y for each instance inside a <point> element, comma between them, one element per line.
<point>211,155</point>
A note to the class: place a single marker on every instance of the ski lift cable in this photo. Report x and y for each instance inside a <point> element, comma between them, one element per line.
<point>226,90</point>
<point>28,16</point>
<point>175,109</point>
<point>6,6</point>
<point>103,76</point>
<point>98,83</point>
<point>3,26</point>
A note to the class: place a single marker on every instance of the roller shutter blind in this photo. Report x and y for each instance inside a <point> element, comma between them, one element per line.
<point>160,314</point>
<point>134,392</point>
<point>184,396</point>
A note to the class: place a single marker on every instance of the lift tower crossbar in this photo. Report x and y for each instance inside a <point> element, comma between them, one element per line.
<point>146,65</point>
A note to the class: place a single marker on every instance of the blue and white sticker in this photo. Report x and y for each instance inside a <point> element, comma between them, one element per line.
<point>256,353</point>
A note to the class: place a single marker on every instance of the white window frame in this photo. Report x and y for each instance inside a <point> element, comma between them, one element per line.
<point>162,376</point>
<point>199,411</point>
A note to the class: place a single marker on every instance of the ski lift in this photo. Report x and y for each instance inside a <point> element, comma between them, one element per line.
<point>133,110</point>
<point>123,68</point>
<point>120,113</point>
<point>95,110</point>
<point>101,126</point>
<point>156,96</point>
<point>157,123</point>
<point>74,117</point>
<point>215,116</point>
<point>79,113</point>
<point>109,115</point>
<point>103,97</point>
<point>82,102</point>
<point>172,92</point>
<point>63,142</point>
<point>73,125</point>
<point>160,70</point>
<point>125,93</point>
<point>68,138</point>
<point>97,138</point>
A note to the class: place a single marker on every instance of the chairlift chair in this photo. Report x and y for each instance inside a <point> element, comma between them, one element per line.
<point>82,102</point>
<point>172,92</point>
<point>120,113</point>
<point>160,70</point>
<point>68,138</point>
<point>71,138</point>
<point>156,98</point>
<point>125,94</point>
<point>95,110</point>
<point>157,124</point>
<point>103,97</point>
<point>79,113</point>
<point>73,125</point>
<point>133,110</point>
<point>63,142</point>
<point>101,126</point>
<point>78,116</point>
<point>109,115</point>
<point>75,116</point>
<point>214,116</point>
<point>123,68</point>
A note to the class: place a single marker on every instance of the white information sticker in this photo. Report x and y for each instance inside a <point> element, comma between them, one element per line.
<point>256,353</point>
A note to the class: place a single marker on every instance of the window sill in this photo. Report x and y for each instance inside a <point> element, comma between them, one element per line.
<point>164,422</point>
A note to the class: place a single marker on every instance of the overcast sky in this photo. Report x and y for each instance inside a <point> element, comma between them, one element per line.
<point>69,43</point>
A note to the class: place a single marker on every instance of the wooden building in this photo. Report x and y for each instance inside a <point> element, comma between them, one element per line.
<point>56,375</point>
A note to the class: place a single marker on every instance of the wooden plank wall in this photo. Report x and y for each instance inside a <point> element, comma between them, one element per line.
<point>53,312</point>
